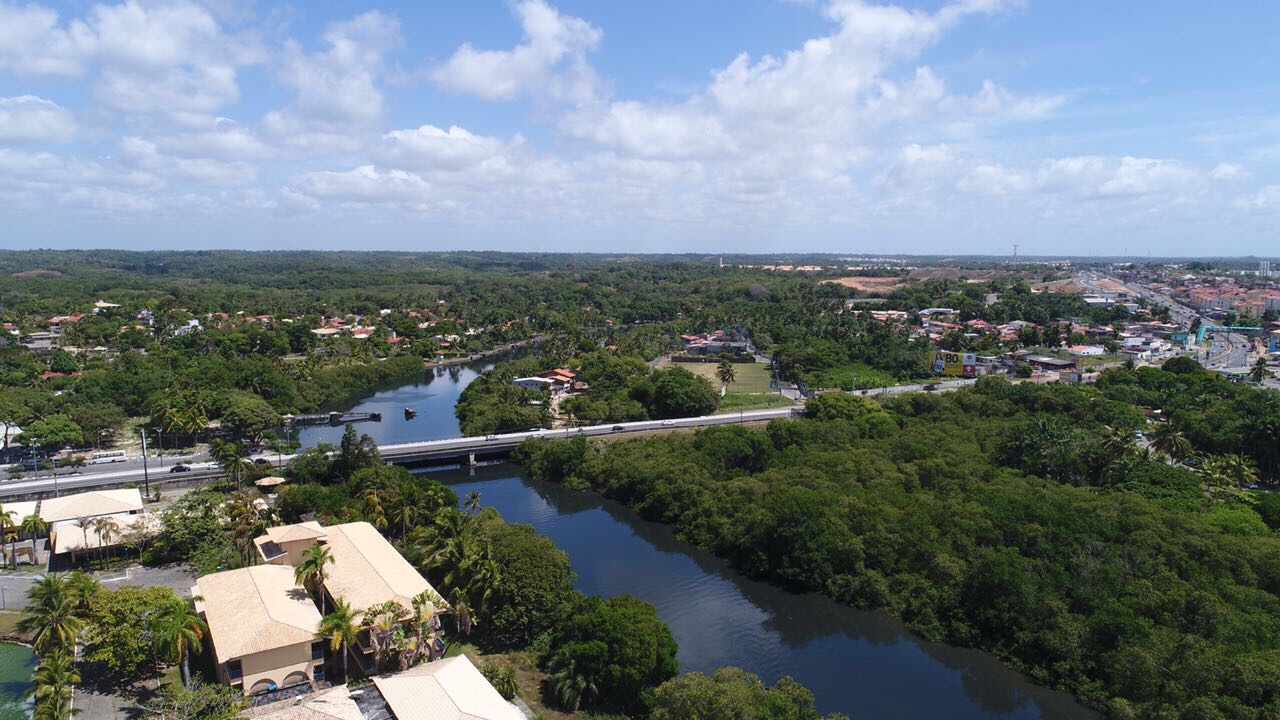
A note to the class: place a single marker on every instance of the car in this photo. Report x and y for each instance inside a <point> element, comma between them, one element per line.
<point>931,387</point>
<point>618,428</point>
<point>668,423</point>
<point>535,429</point>
<point>261,461</point>
<point>180,468</point>
<point>490,437</point>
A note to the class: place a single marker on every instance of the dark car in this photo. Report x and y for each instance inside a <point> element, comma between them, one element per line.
<point>261,461</point>
<point>179,468</point>
<point>618,428</point>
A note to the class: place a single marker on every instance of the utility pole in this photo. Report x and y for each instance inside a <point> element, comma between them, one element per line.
<point>146,479</point>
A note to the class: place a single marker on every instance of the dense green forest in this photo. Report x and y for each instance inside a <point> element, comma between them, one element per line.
<point>620,388</point>
<point>1144,579</point>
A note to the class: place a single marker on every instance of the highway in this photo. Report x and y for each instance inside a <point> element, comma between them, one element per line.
<point>406,452</point>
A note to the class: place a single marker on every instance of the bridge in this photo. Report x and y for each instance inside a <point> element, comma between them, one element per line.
<point>451,451</point>
<point>1224,328</point>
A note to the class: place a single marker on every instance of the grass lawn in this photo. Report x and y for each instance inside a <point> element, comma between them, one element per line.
<point>733,402</point>
<point>751,377</point>
<point>528,678</point>
<point>858,376</point>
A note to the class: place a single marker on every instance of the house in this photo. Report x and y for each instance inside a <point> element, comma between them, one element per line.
<point>1088,350</point>
<point>100,305</point>
<point>11,329</point>
<point>41,341</point>
<point>57,322</point>
<point>534,383</point>
<point>450,689</point>
<point>192,326</point>
<point>119,512</point>
<point>262,628</point>
<point>326,332</point>
<point>366,571</point>
<point>1050,363</point>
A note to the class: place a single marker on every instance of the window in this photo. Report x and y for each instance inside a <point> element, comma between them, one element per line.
<point>318,675</point>
<point>317,650</point>
<point>233,670</point>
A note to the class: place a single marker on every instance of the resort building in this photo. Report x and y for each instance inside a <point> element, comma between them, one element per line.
<point>451,689</point>
<point>95,520</point>
<point>262,627</point>
<point>366,571</point>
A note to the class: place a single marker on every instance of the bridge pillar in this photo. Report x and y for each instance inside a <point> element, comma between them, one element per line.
<point>471,458</point>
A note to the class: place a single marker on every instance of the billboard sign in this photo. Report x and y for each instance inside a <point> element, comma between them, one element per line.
<point>955,364</point>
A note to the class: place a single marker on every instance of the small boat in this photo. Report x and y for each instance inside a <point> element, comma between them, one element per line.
<point>410,413</point>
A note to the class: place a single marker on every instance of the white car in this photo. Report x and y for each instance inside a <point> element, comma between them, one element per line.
<point>668,423</point>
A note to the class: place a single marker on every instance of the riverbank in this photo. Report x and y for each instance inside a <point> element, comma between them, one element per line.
<point>866,664</point>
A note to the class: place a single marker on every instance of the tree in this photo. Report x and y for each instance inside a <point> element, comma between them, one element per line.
<point>675,392</point>
<point>52,684</point>
<point>381,622</point>
<point>51,618</point>
<point>732,694</point>
<point>53,432</point>
<point>34,526</point>
<point>1169,440</point>
<point>472,502</point>
<point>232,457</point>
<point>124,627</point>
<point>611,651</point>
<point>196,701</point>
<point>340,627</point>
<point>725,372</point>
<point>98,421</point>
<point>250,416</point>
<point>311,571</point>
<point>180,631</point>
<point>1260,370</point>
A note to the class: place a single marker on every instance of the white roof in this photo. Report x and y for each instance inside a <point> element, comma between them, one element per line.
<point>255,609</point>
<point>68,537</point>
<point>17,511</point>
<point>367,570</point>
<point>91,504</point>
<point>450,689</point>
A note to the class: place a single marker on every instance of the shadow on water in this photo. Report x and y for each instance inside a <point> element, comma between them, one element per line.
<point>865,664</point>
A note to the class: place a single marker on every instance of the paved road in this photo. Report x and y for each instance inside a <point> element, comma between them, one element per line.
<point>405,451</point>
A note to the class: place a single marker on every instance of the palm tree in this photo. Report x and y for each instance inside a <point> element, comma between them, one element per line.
<point>1260,371</point>
<point>180,631</point>
<point>405,515</point>
<point>83,589</point>
<point>52,685</point>
<point>472,502</point>
<point>34,525</point>
<point>340,627</point>
<point>570,687</point>
<point>311,572</point>
<point>84,524</point>
<point>381,621</point>
<point>725,372</point>
<point>6,527</point>
<point>1170,441</point>
<point>52,615</point>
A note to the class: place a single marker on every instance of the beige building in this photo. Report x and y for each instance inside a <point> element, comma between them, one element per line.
<point>366,570</point>
<point>263,628</point>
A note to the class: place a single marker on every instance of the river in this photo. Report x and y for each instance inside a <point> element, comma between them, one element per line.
<point>864,664</point>
<point>16,665</point>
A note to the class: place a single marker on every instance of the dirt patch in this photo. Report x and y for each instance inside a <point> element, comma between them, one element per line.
<point>36,273</point>
<point>871,284</point>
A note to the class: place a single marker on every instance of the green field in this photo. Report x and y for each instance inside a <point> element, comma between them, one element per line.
<point>752,378</point>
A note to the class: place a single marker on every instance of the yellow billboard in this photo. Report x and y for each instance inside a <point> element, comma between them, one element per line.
<point>953,363</point>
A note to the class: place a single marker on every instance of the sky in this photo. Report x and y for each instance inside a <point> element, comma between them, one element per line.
<point>1067,127</point>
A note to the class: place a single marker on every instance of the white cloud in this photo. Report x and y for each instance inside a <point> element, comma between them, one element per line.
<point>431,148</point>
<point>365,184</point>
<point>32,43</point>
<point>550,64</point>
<point>144,155</point>
<point>1229,171</point>
<point>30,119</point>
<point>337,91</point>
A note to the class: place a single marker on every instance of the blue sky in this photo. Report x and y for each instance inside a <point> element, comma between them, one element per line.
<point>701,126</point>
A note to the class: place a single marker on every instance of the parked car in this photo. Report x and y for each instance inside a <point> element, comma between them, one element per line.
<point>180,468</point>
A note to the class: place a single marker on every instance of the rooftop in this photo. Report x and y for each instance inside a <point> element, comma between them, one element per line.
<point>254,609</point>
<point>332,704</point>
<point>368,570</point>
<point>91,504</point>
<point>450,689</point>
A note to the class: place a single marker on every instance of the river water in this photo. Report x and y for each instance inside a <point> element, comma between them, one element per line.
<point>16,665</point>
<point>864,664</point>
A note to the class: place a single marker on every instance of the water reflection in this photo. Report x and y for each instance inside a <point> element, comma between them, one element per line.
<point>865,664</point>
